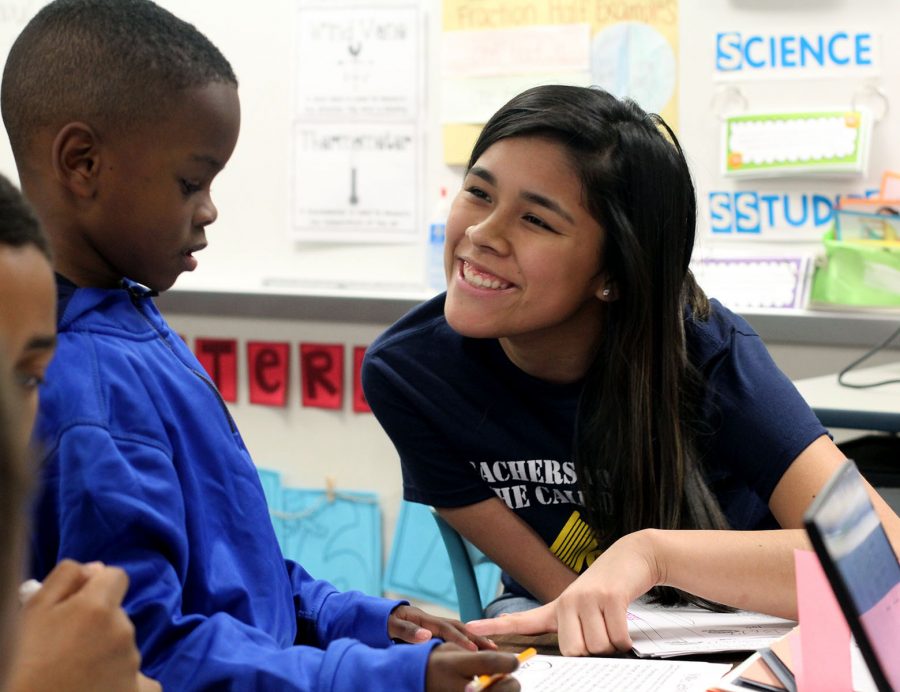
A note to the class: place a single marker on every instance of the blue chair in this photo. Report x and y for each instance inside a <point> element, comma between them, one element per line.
<point>464,558</point>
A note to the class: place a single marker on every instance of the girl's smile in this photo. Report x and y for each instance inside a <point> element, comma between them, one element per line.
<point>479,278</point>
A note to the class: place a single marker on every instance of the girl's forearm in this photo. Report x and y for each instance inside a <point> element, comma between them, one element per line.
<point>513,545</point>
<point>752,570</point>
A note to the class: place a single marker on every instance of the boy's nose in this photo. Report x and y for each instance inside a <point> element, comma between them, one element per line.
<point>206,213</point>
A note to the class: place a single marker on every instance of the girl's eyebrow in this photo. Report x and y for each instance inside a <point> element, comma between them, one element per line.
<point>532,197</point>
<point>484,174</point>
<point>548,203</point>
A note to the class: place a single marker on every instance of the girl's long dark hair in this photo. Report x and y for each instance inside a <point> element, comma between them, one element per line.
<point>637,421</point>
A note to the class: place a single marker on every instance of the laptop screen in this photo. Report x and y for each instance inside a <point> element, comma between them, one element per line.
<point>862,568</point>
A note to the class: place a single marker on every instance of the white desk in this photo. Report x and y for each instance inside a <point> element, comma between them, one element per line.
<point>836,406</point>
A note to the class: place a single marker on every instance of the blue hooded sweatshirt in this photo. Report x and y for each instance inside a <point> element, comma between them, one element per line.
<point>144,468</point>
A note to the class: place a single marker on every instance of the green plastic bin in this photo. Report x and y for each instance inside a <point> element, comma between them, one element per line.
<point>857,274</point>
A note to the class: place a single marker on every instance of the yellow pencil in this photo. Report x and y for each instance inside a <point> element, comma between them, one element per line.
<point>482,682</point>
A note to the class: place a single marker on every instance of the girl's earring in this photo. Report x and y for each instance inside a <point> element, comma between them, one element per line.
<point>606,293</point>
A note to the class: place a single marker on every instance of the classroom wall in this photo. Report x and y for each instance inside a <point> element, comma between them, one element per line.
<point>707,95</point>
<point>251,248</point>
<point>307,444</point>
<point>249,244</point>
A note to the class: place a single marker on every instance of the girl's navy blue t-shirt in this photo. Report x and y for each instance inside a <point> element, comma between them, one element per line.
<point>469,425</point>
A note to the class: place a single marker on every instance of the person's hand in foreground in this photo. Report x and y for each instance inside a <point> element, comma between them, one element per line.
<point>75,636</point>
<point>451,668</point>
<point>590,616</point>
<point>413,625</point>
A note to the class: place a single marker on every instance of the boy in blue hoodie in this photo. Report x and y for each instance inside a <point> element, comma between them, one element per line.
<point>120,115</point>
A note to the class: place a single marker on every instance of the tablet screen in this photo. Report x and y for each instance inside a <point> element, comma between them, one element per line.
<point>863,568</point>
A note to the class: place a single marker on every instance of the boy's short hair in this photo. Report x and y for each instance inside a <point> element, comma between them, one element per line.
<point>111,63</point>
<point>18,225</point>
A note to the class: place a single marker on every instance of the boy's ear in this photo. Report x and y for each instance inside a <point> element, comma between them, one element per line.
<point>76,158</point>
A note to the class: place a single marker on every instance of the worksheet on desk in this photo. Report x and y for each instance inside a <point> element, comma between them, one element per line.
<point>554,673</point>
<point>663,631</point>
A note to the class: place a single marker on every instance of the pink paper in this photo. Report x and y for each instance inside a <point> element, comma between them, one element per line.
<point>882,623</point>
<point>824,661</point>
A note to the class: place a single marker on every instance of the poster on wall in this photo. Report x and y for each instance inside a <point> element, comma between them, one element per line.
<point>779,282</point>
<point>354,63</point>
<point>355,182</point>
<point>823,142</point>
<point>628,47</point>
<point>335,534</point>
<point>356,114</point>
<point>483,69</point>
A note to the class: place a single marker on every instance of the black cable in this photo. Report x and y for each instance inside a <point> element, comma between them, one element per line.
<point>864,358</point>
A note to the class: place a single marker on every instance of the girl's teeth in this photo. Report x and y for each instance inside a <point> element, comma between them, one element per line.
<point>476,279</point>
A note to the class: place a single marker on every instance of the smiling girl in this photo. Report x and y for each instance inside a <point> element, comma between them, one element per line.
<point>575,405</point>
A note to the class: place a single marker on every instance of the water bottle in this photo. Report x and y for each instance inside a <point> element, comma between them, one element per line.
<point>435,278</point>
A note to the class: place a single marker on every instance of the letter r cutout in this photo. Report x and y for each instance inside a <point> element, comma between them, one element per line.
<point>322,375</point>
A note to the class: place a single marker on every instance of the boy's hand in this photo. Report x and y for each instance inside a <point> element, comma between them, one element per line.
<point>451,668</point>
<point>414,625</point>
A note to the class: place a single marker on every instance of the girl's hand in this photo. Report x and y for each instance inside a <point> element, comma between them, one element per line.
<point>414,625</point>
<point>590,616</point>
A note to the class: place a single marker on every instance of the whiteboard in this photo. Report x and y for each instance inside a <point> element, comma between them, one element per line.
<point>250,246</point>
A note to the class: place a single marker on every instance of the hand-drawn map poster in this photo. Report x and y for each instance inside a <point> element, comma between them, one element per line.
<point>494,49</point>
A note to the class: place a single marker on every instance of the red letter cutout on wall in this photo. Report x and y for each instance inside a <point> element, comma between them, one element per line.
<point>219,358</point>
<point>267,368</point>
<point>360,405</point>
<point>322,375</point>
